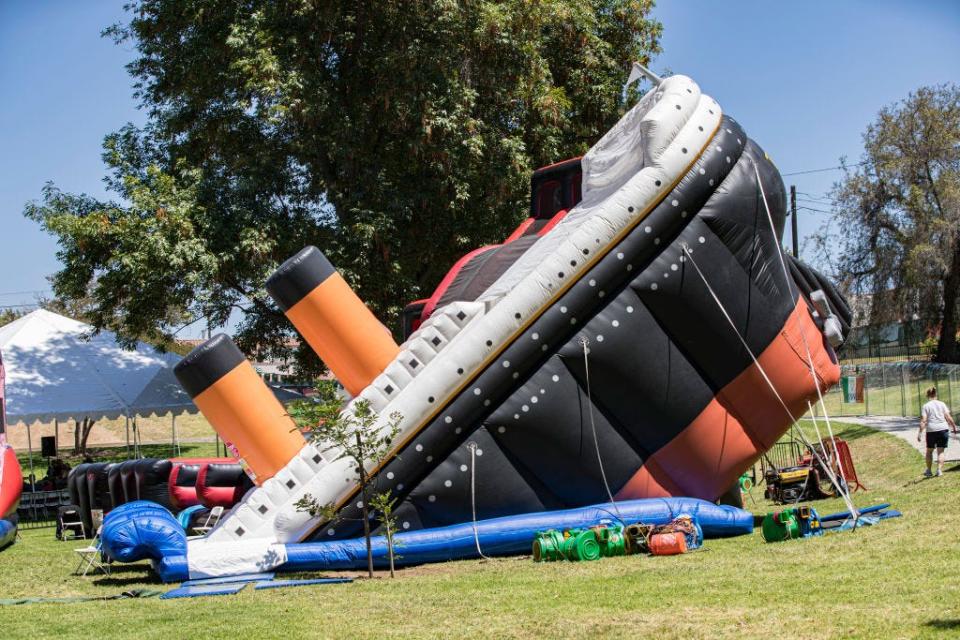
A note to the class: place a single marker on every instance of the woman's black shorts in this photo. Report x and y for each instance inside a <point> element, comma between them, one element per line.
<point>937,439</point>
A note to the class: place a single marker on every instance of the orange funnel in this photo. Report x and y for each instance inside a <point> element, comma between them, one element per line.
<point>242,409</point>
<point>332,319</point>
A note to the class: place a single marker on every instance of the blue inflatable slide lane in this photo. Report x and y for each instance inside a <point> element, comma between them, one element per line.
<point>143,530</point>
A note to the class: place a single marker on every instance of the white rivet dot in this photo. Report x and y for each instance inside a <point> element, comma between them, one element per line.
<point>653,287</point>
<point>728,159</point>
<point>458,430</point>
<point>656,241</point>
<point>476,391</point>
<point>543,348</point>
<point>555,378</point>
<point>719,148</point>
<point>463,468</point>
<point>516,416</point>
<point>448,419</point>
<point>534,399</point>
<point>447,483</point>
<point>711,182</point>
<point>390,475</point>
<point>701,239</point>
<point>535,336</point>
<point>501,429</point>
<point>525,408</point>
<point>648,229</point>
<point>331,532</point>
<point>683,214</point>
<point>703,171</point>
<point>599,338</point>
<point>629,309</point>
<point>616,323</point>
<point>479,452</point>
<point>506,364</point>
<point>429,458</point>
<point>406,525</point>
<point>419,447</point>
<point>620,256</point>
<point>573,321</point>
<point>674,202</point>
<point>432,498</point>
<point>673,267</point>
<point>592,283</point>
<point>563,309</point>
<point>360,505</point>
<point>400,487</point>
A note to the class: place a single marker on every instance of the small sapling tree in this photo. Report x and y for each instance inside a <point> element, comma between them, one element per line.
<point>356,436</point>
<point>383,503</point>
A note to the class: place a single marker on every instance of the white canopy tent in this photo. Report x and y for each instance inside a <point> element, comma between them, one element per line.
<point>58,369</point>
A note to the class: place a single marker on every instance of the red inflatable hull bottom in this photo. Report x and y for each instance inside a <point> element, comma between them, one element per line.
<point>744,419</point>
<point>11,481</point>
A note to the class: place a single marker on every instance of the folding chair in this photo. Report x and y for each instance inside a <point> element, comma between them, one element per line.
<point>68,519</point>
<point>90,558</point>
<point>212,519</point>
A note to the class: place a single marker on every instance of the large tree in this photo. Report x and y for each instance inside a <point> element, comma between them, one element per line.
<point>899,212</point>
<point>393,134</point>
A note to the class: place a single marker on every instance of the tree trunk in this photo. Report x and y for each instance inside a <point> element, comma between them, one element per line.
<point>947,346</point>
<point>81,432</point>
<point>364,499</point>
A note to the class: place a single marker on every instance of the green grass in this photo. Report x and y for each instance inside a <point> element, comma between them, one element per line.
<point>896,580</point>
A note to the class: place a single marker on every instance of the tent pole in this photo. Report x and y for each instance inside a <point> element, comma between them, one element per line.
<point>33,478</point>
<point>56,437</point>
<point>128,436</point>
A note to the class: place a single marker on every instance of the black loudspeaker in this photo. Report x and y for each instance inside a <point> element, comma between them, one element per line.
<point>48,446</point>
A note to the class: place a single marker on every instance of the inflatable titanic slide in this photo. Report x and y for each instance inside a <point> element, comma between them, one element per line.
<point>11,478</point>
<point>641,332</point>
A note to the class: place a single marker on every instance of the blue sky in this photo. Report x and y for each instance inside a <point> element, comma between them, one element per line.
<point>803,78</point>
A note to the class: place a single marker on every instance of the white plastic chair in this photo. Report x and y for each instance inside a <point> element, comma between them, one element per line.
<point>212,519</point>
<point>90,557</point>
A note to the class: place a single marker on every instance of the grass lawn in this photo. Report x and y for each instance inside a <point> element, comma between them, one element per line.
<point>896,580</point>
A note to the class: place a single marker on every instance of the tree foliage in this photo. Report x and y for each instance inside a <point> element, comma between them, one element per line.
<point>899,216</point>
<point>395,135</point>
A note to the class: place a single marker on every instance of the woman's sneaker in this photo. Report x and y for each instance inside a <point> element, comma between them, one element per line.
<point>939,472</point>
<point>927,474</point>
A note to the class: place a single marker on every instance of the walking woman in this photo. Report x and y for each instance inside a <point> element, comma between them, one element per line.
<point>935,418</point>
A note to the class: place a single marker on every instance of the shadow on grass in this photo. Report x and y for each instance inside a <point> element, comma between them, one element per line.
<point>941,623</point>
<point>141,578</point>
<point>853,431</point>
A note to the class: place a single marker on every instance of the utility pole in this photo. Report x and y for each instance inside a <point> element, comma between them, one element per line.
<point>793,221</point>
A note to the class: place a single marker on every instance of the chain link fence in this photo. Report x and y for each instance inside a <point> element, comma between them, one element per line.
<point>892,388</point>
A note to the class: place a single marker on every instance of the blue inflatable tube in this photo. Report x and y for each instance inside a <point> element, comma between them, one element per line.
<point>8,533</point>
<point>512,535</point>
<point>140,530</point>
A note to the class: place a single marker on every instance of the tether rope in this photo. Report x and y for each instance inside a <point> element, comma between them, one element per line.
<point>762,371</point>
<point>844,491</point>
<point>593,426</point>
<point>473,497</point>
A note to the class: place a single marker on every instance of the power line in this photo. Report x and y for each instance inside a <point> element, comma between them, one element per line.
<point>23,293</point>
<point>817,210</point>
<point>800,173</point>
